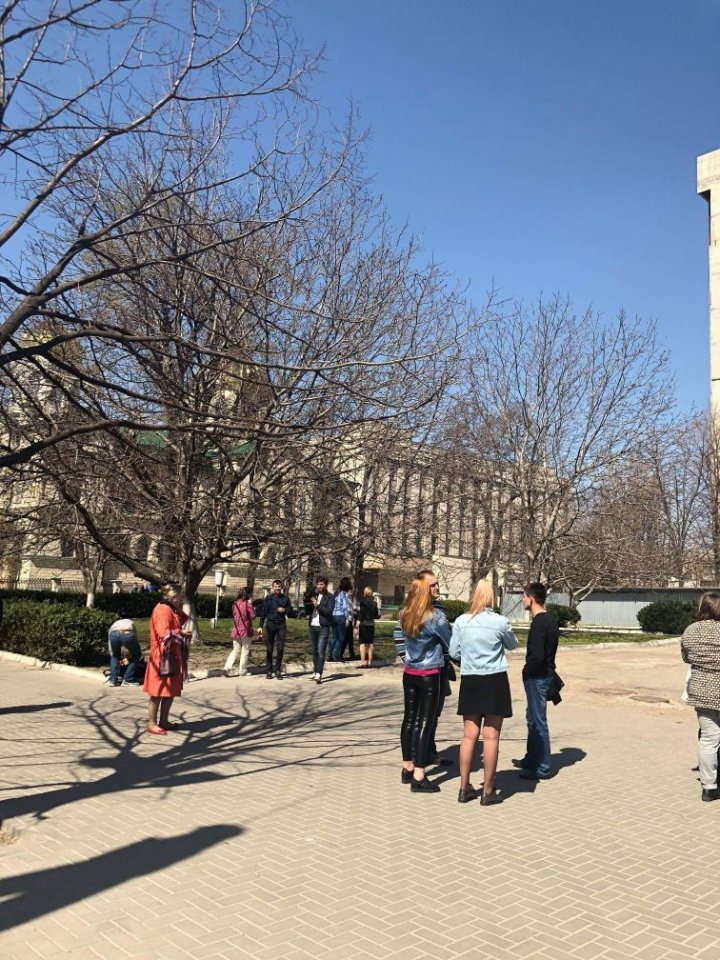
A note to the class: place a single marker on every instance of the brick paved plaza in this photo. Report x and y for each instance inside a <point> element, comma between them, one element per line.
<point>275,826</point>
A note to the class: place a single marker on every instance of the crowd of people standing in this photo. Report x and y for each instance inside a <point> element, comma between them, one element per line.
<point>477,643</point>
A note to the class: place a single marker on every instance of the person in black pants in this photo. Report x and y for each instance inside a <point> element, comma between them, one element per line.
<point>349,641</point>
<point>276,609</point>
<point>445,690</point>
<point>426,633</point>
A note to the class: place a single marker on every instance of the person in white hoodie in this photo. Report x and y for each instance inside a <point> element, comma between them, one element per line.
<point>479,640</point>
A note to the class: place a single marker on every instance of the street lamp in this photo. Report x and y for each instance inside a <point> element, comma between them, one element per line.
<point>220,577</point>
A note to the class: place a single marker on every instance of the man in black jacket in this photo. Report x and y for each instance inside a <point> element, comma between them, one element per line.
<point>323,604</point>
<point>276,609</point>
<point>538,675</point>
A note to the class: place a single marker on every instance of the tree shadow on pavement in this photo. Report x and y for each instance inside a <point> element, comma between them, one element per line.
<point>35,707</point>
<point>301,724</point>
<point>32,895</point>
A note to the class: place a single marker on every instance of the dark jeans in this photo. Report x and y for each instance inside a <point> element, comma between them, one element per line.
<point>336,644</point>
<point>274,634</point>
<point>318,642</point>
<point>421,704</point>
<point>537,756</point>
<point>116,640</point>
<point>348,642</point>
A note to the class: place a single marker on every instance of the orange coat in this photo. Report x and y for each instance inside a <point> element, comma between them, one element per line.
<point>163,619</point>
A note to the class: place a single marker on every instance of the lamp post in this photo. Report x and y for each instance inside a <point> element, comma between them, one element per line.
<point>220,577</point>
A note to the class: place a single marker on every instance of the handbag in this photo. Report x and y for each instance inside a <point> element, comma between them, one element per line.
<point>556,685</point>
<point>449,667</point>
<point>168,664</point>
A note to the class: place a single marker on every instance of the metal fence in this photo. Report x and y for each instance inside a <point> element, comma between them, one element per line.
<point>45,583</point>
<point>605,608</point>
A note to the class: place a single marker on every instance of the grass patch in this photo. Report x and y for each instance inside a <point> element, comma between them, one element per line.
<point>217,644</point>
<point>574,638</point>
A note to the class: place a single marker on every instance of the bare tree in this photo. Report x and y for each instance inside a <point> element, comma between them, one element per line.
<point>555,402</point>
<point>110,110</point>
<point>257,365</point>
<point>679,459</point>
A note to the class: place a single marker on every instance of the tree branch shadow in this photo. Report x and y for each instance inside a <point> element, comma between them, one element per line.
<point>35,707</point>
<point>300,722</point>
<point>32,895</point>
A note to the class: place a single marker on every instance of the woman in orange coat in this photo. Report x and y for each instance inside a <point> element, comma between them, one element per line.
<point>166,626</point>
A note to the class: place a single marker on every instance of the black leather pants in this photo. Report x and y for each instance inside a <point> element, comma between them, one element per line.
<point>421,704</point>
<point>444,692</point>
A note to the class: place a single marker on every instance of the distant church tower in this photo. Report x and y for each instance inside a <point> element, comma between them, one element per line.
<point>708,186</point>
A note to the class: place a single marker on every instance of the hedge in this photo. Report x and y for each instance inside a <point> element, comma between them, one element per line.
<point>57,632</point>
<point>667,616</point>
<point>135,605</point>
<point>453,609</point>
<point>565,616</point>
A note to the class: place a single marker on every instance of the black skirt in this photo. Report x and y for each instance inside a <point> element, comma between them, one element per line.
<point>485,693</point>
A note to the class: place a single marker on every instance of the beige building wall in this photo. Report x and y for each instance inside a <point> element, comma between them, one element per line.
<point>708,186</point>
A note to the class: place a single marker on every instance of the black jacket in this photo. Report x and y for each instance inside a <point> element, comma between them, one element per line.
<point>368,610</point>
<point>269,612</point>
<point>542,646</point>
<point>325,607</point>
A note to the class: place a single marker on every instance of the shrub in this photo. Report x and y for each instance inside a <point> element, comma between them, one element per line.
<point>137,606</point>
<point>453,608</point>
<point>565,616</point>
<point>205,605</point>
<point>667,616</point>
<point>58,632</point>
<point>47,596</point>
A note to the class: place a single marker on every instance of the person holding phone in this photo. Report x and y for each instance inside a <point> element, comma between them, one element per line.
<point>323,604</point>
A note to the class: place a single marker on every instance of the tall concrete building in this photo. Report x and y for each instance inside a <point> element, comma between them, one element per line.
<point>708,185</point>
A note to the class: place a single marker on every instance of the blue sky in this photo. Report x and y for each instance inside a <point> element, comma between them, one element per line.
<point>548,144</point>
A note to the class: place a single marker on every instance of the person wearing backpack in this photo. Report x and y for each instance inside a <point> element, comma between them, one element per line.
<point>243,613</point>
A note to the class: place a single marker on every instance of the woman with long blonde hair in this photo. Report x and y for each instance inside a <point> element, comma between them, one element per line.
<point>479,640</point>
<point>426,633</point>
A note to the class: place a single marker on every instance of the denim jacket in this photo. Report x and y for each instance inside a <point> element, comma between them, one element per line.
<point>427,650</point>
<point>342,605</point>
<point>479,642</point>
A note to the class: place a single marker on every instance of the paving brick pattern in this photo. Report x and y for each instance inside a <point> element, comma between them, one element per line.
<point>275,826</point>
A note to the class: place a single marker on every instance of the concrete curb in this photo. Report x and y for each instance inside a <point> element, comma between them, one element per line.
<point>305,666</point>
<point>98,675</point>
<point>86,672</point>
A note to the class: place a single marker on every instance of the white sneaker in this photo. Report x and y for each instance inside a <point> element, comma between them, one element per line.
<point>243,673</point>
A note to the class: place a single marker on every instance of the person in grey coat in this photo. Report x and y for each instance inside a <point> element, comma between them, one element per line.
<point>700,647</point>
